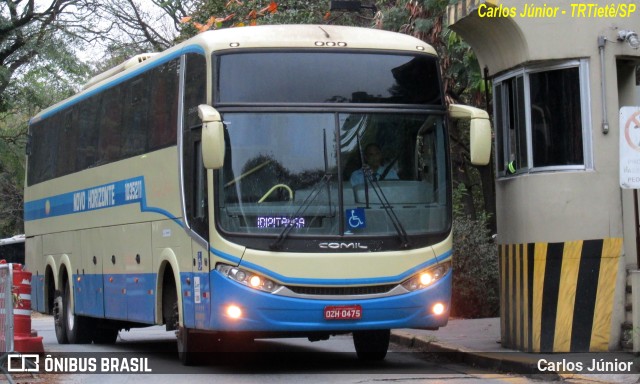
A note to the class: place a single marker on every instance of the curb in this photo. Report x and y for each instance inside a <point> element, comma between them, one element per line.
<point>495,361</point>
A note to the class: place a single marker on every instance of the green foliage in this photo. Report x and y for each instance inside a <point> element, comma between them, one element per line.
<point>299,12</point>
<point>54,74</point>
<point>12,141</point>
<point>423,25</point>
<point>216,14</point>
<point>476,290</point>
<point>395,18</point>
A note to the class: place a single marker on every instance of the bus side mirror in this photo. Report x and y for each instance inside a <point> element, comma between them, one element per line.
<point>480,131</point>
<point>212,137</point>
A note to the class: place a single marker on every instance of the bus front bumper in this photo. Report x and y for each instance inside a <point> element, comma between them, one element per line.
<point>256,311</point>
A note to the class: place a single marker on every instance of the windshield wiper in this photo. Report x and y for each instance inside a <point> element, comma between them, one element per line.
<point>377,189</point>
<point>277,244</point>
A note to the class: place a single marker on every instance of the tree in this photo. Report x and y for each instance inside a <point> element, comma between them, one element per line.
<point>26,30</point>
<point>142,25</point>
<point>38,67</point>
<point>216,14</point>
<point>462,83</point>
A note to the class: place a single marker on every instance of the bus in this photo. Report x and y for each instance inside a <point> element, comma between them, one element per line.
<point>208,189</point>
<point>12,249</point>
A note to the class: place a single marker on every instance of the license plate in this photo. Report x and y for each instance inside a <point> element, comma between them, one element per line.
<point>342,312</point>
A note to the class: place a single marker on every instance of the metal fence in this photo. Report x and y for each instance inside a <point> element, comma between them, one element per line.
<point>6,308</point>
<point>6,317</point>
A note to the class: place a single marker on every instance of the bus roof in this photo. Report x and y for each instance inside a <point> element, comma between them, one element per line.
<point>310,36</point>
<point>266,36</point>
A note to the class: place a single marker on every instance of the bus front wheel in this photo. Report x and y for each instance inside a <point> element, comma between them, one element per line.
<point>190,346</point>
<point>371,345</point>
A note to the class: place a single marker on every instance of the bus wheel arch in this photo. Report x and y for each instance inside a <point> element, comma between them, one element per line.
<point>169,307</point>
<point>168,301</point>
<point>49,289</point>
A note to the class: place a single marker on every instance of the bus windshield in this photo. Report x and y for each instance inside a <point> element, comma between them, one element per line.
<point>327,77</point>
<point>301,174</point>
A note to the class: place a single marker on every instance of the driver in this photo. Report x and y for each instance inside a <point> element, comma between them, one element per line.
<point>379,171</point>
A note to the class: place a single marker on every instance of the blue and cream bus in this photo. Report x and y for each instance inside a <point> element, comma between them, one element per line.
<point>208,188</point>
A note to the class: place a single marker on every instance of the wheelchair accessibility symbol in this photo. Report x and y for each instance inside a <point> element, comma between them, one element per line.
<point>356,218</point>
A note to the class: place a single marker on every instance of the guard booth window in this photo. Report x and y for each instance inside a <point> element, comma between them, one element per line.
<point>542,119</point>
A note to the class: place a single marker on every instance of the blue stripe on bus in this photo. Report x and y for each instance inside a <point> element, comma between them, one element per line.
<point>132,191</point>
<point>116,194</point>
<point>102,88</point>
<point>133,297</point>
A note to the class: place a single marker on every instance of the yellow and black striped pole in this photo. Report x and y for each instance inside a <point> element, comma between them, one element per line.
<point>558,297</point>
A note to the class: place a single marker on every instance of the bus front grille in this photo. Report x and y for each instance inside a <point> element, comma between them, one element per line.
<point>342,291</point>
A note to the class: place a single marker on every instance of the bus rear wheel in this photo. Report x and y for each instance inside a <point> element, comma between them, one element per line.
<point>58,320</point>
<point>75,327</point>
<point>371,345</point>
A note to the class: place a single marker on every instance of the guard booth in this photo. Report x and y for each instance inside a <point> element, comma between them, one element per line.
<point>561,74</point>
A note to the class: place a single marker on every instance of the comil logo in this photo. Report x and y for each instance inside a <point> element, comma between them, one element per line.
<point>23,363</point>
<point>343,246</point>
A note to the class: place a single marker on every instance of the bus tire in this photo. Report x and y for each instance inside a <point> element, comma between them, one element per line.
<point>76,327</point>
<point>371,345</point>
<point>58,310</point>
<point>187,351</point>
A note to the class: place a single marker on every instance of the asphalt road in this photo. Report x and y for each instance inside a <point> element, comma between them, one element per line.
<point>264,361</point>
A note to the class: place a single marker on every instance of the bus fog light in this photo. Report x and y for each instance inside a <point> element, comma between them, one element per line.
<point>234,312</point>
<point>438,309</point>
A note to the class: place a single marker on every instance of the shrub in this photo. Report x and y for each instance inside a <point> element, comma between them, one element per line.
<point>476,290</point>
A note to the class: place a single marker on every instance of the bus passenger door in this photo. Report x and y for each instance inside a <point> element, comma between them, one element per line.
<point>195,285</point>
<point>197,301</point>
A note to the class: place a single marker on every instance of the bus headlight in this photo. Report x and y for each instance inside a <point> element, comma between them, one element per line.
<point>248,278</point>
<point>427,277</point>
